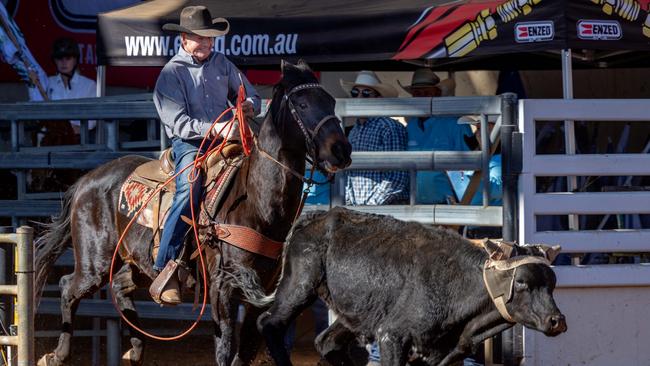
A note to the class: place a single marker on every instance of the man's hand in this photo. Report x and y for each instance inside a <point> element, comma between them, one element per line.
<point>248,109</point>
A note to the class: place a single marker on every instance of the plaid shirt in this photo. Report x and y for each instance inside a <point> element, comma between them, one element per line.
<point>374,187</point>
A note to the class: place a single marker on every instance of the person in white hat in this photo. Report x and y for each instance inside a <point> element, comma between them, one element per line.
<point>375,134</point>
<point>435,133</point>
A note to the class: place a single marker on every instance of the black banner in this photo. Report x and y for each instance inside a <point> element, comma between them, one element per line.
<point>262,33</point>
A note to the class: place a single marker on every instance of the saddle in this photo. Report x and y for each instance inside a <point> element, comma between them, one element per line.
<point>218,169</point>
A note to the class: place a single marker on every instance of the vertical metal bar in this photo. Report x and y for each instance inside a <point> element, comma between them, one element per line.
<point>151,130</point>
<point>509,176</point>
<point>96,342</point>
<point>101,80</point>
<point>338,190</point>
<point>164,140</point>
<point>83,132</point>
<point>113,342</point>
<point>15,139</point>
<point>100,136</point>
<point>25,281</point>
<point>413,186</point>
<point>569,126</point>
<point>5,301</point>
<point>112,135</point>
<point>485,159</point>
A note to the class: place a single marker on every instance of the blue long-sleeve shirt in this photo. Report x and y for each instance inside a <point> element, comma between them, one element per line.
<point>190,95</point>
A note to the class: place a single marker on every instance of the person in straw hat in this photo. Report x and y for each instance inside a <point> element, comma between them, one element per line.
<point>193,89</point>
<point>435,133</point>
<point>375,134</point>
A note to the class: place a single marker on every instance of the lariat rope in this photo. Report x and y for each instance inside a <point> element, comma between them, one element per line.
<point>247,141</point>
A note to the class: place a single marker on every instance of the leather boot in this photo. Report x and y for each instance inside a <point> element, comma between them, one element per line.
<point>171,294</point>
<point>165,288</point>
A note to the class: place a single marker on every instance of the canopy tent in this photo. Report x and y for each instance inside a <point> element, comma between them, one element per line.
<point>479,34</point>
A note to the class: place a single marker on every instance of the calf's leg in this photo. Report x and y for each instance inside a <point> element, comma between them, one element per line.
<point>302,274</point>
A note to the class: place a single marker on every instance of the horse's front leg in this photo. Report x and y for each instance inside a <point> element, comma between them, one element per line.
<point>224,315</point>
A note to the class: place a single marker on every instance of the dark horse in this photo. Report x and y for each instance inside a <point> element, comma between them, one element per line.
<point>265,197</point>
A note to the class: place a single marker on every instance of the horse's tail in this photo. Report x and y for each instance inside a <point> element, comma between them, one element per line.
<point>245,279</point>
<point>52,243</point>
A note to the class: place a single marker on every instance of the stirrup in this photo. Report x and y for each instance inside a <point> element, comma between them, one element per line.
<point>160,282</point>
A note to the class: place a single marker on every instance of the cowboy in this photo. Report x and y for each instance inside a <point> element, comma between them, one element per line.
<point>193,89</point>
<point>375,134</point>
<point>435,133</point>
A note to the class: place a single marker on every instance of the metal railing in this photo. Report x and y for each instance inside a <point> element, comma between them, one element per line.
<point>109,111</point>
<point>113,109</point>
<point>24,292</point>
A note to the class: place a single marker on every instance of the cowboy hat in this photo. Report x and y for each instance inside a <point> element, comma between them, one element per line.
<point>424,78</point>
<point>369,79</point>
<point>197,20</point>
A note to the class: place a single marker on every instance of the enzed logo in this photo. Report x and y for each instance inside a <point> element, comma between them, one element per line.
<point>534,32</point>
<point>604,30</point>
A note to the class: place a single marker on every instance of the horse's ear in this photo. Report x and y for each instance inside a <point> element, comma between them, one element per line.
<point>285,65</point>
<point>303,65</point>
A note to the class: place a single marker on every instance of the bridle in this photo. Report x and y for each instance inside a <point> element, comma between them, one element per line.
<point>309,135</point>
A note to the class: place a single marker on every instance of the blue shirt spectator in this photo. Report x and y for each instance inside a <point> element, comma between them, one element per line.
<point>460,180</point>
<point>435,134</point>
<point>319,194</point>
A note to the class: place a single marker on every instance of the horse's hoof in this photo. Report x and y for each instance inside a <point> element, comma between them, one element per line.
<point>129,359</point>
<point>49,360</point>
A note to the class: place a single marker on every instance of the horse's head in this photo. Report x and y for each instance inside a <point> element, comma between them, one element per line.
<point>311,111</point>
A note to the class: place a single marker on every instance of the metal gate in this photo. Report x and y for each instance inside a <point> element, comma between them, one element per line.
<point>606,305</point>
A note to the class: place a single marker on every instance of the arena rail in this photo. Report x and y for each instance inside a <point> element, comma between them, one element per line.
<point>606,304</point>
<point>109,111</point>
<point>23,290</point>
<point>113,109</point>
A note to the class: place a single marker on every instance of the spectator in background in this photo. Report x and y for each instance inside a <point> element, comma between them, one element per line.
<point>68,83</point>
<point>461,179</point>
<point>435,133</point>
<point>371,187</point>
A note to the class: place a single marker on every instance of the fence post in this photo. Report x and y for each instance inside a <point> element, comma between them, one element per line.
<point>25,282</point>
<point>5,301</point>
<point>113,339</point>
<point>509,175</point>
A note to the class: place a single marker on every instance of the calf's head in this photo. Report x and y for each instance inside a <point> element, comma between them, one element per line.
<point>521,283</point>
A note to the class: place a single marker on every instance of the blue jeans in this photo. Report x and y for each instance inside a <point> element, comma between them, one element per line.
<point>374,353</point>
<point>173,234</point>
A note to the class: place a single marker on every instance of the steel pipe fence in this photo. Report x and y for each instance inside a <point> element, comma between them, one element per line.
<point>23,290</point>
<point>110,110</point>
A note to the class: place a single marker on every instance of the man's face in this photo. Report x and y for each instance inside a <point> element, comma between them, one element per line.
<point>425,91</point>
<point>65,64</point>
<point>198,46</point>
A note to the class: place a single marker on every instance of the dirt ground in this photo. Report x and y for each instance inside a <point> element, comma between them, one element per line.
<point>195,350</point>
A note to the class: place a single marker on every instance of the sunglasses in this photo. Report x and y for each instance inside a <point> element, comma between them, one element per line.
<point>365,93</point>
